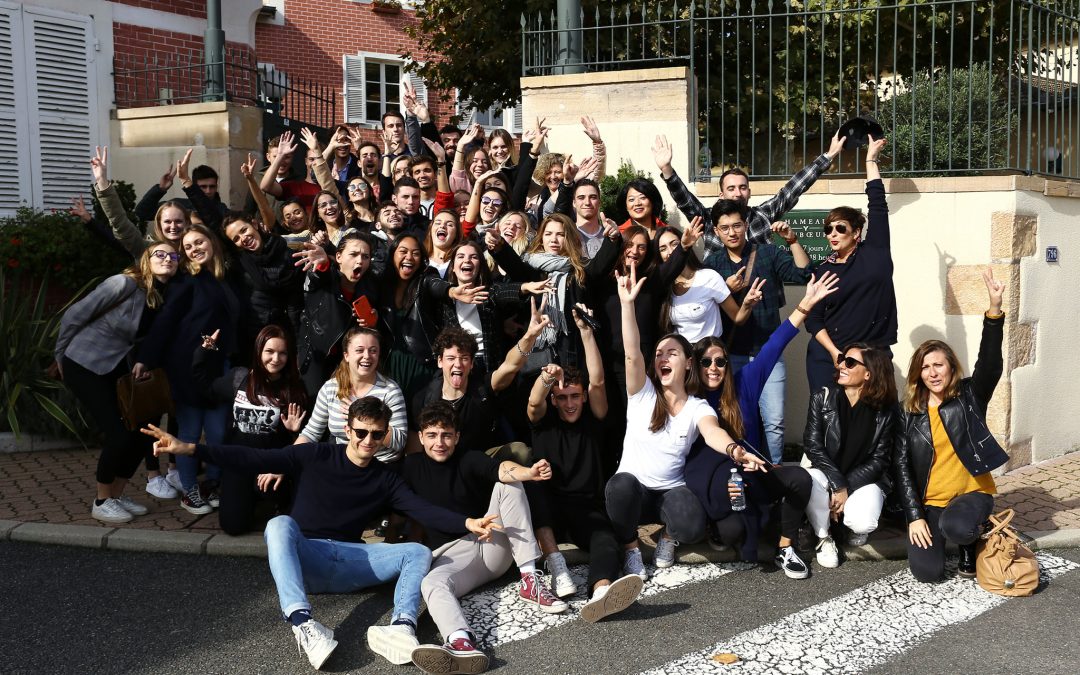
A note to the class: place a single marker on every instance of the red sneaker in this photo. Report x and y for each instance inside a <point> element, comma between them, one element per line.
<point>532,589</point>
<point>459,656</point>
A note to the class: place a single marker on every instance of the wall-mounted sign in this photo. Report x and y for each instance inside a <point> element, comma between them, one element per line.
<point>807,224</point>
<point>1051,254</point>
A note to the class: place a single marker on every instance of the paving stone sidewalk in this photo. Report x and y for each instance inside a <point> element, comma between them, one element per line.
<point>57,487</point>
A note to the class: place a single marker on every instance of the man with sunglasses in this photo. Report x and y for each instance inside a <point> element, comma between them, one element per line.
<point>735,185</point>
<point>318,548</point>
<point>742,263</point>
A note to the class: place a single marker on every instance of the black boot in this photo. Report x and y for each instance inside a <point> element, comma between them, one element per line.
<point>966,567</point>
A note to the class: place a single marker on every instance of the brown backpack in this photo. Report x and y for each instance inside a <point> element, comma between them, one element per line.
<point>1003,564</point>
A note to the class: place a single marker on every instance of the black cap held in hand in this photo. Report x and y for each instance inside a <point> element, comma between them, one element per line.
<point>857,131</point>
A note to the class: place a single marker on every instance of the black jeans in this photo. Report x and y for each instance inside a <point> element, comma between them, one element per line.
<point>583,523</point>
<point>792,484</point>
<point>122,450</point>
<point>960,522</point>
<point>630,504</point>
<point>239,497</point>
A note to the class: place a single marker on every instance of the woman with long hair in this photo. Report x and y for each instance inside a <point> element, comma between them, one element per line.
<point>486,205</point>
<point>664,417</point>
<point>359,205</point>
<point>198,303</point>
<point>329,217</point>
<point>641,203</point>
<point>357,376</point>
<point>443,235</point>
<point>557,255</point>
<point>274,285</point>
<point>849,439</point>
<point>268,405</point>
<point>944,450</point>
<point>470,161</point>
<point>96,336</point>
<point>292,226</point>
<point>501,149</point>
<point>734,397</point>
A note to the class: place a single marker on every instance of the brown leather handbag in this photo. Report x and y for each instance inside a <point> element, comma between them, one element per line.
<point>142,401</point>
<point>1003,564</point>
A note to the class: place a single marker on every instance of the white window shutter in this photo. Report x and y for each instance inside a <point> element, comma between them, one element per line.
<point>354,88</point>
<point>63,104</point>
<point>14,177</point>
<point>514,118</point>
<point>417,82</point>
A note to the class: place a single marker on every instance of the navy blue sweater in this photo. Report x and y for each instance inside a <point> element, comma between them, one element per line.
<point>863,309</point>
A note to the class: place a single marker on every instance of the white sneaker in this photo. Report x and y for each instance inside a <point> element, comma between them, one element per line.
<point>562,584</point>
<point>664,556</point>
<point>160,488</point>
<point>173,479</point>
<point>316,641</point>
<point>131,506</point>
<point>613,598</point>
<point>394,643</point>
<point>110,511</point>
<point>827,553</point>
<point>632,564</point>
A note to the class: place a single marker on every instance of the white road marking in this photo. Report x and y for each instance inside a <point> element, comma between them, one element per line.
<point>497,615</point>
<point>857,630</point>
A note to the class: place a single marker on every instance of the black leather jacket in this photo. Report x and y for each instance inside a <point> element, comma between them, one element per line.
<point>421,323</point>
<point>822,442</point>
<point>964,418</point>
<point>327,316</point>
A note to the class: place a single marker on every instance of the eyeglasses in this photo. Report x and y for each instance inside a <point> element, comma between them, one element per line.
<point>733,226</point>
<point>720,361</point>
<point>840,228</point>
<point>361,434</point>
<point>497,203</point>
<point>165,255</point>
<point>358,187</point>
<point>848,361</point>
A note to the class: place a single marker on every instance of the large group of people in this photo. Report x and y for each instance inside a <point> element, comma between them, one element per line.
<point>445,338</point>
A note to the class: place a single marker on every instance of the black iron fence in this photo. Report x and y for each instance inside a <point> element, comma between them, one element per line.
<point>960,86</point>
<point>186,77</point>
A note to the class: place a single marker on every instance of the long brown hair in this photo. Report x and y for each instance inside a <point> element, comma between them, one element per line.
<point>317,222</point>
<point>691,381</point>
<point>286,390</point>
<point>171,204</point>
<point>728,406</point>
<point>429,240</point>
<point>143,274</point>
<point>916,394</point>
<point>217,263</point>
<point>341,374</point>
<point>692,262</point>
<point>880,390</point>
<point>571,244</point>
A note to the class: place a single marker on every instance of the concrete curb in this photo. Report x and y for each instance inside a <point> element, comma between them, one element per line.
<point>252,545</point>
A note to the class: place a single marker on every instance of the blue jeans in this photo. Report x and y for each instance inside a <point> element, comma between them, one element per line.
<point>192,422</point>
<point>300,565</point>
<point>770,404</point>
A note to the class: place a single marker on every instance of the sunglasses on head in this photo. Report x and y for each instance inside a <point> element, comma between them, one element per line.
<point>361,434</point>
<point>720,361</point>
<point>848,361</point>
<point>840,228</point>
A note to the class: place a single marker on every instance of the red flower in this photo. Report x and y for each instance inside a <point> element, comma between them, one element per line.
<point>15,241</point>
<point>12,262</point>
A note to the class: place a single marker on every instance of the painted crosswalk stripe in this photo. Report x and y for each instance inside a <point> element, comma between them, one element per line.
<point>857,630</point>
<point>497,616</point>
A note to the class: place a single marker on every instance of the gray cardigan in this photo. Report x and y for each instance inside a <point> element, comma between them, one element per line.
<point>98,331</point>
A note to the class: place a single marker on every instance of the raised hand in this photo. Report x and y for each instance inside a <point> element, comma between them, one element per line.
<point>611,228</point>
<point>835,145</point>
<point>995,289</point>
<point>661,151</point>
<point>569,169</point>
<point>590,129</point>
<point>99,166</point>
<point>781,228</point>
<point>471,134</point>
<point>355,139</point>
<point>436,149</point>
<point>816,289</point>
<point>874,148</point>
<point>78,209</point>
<point>408,96</point>
<point>184,162</point>
<point>166,180</point>
<point>311,256</point>
<point>579,310</point>
<point>310,140</point>
<point>553,373</point>
<point>247,169</point>
<point>292,418</point>
<point>693,232</point>
<point>538,321</point>
<point>210,341</point>
<point>589,168</point>
<point>629,286</point>
<point>754,295</point>
<point>167,443</point>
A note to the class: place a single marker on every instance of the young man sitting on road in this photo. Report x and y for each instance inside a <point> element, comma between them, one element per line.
<point>318,548</point>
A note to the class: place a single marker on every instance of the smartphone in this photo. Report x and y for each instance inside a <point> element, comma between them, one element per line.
<point>365,312</point>
<point>588,319</point>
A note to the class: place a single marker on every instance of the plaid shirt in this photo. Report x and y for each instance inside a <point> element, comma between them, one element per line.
<point>760,218</point>
<point>774,264</point>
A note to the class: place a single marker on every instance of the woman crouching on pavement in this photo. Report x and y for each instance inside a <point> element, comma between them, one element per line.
<point>96,336</point>
<point>944,451</point>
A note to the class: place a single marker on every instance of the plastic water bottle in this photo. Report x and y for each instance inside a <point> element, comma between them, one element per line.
<point>738,503</point>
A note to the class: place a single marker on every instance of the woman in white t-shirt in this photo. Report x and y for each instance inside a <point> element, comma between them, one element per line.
<point>697,296</point>
<point>663,419</point>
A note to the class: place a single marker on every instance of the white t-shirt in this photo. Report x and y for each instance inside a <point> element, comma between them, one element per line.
<point>696,313</point>
<point>657,459</point>
<point>469,319</point>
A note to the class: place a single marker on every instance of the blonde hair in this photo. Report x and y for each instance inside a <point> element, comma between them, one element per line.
<point>571,243</point>
<point>341,373</point>
<point>217,263</point>
<point>916,394</point>
<point>142,273</point>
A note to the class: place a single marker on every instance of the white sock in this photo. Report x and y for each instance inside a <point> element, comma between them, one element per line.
<point>459,635</point>
<point>527,568</point>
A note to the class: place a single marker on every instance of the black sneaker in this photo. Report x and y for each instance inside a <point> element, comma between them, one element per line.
<point>213,493</point>
<point>966,566</point>
<point>789,561</point>
<point>193,502</point>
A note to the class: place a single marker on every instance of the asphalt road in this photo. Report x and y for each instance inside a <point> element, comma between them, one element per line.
<point>76,610</point>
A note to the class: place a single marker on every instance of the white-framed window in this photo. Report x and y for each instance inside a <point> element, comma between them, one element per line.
<point>494,117</point>
<point>48,106</point>
<point>373,86</point>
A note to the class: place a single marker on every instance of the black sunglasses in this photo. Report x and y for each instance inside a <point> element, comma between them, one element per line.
<point>720,361</point>
<point>361,434</point>
<point>848,361</point>
<point>840,228</point>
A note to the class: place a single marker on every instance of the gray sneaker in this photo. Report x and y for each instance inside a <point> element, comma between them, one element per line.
<point>110,511</point>
<point>315,641</point>
<point>664,556</point>
<point>131,506</point>
<point>632,564</point>
<point>562,584</point>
